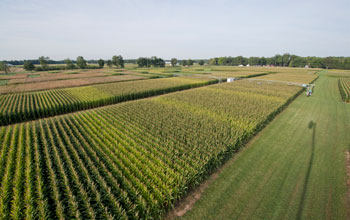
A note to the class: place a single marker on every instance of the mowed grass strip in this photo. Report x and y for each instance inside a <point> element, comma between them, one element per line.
<point>294,169</point>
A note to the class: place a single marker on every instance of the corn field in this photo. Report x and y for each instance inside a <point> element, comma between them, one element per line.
<point>344,88</point>
<point>133,160</point>
<point>19,107</point>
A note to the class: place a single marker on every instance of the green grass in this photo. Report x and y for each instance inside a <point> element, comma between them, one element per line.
<point>33,75</point>
<point>7,74</point>
<point>3,82</point>
<point>294,169</point>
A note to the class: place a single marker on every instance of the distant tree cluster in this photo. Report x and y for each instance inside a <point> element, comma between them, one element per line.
<point>118,61</point>
<point>188,62</point>
<point>148,62</point>
<point>80,63</point>
<point>28,65</point>
<point>69,63</point>
<point>101,63</point>
<point>173,61</point>
<point>285,60</point>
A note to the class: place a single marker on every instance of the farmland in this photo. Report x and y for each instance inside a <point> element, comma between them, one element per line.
<point>106,158</point>
<point>54,84</point>
<point>174,110</point>
<point>344,88</point>
<point>297,168</point>
<point>303,76</point>
<point>19,107</point>
<point>131,160</point>
<point>299,75</point>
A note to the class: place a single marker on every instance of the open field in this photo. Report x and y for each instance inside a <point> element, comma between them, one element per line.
<point>217,71</point>
<point>54,77</point>
<point>305,76</point>
<point>131,160</point>
<point>32,78</point>
<point>297,168</point>
<point>19,107</point>
<point>276,73</point>
<point>3,82</point>
<point>339,73</point>
<point>38,86</point>
<point>136,160</point>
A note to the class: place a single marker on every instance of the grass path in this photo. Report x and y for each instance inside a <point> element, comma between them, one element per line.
<point>295,168</point>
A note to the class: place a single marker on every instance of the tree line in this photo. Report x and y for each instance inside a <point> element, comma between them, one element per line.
<point>79,63</point>
<point>285,60</point>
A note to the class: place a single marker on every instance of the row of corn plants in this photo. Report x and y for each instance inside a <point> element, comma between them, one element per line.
<point>344,88</point>
<point>19,107</point>
<point>133,160</point>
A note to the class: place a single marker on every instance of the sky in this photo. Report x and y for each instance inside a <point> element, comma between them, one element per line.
<point>172,28</point>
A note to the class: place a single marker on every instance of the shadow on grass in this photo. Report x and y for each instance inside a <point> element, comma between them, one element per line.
<point>312,125</point>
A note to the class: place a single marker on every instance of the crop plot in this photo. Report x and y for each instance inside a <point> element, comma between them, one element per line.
<point>344,88</point>
<point>19,107</point>
<point>131,160</point>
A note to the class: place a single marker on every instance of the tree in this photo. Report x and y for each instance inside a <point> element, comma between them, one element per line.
<point>173,61</point>
<point>153,61</point>
<point>286,59</point>
<point>118,61</point>
<point>184,62</point>
<point>214,61</point>
<point>4,67</point>
<point>222,61</point>
<point>27,65</point>
<point>43,61</point>
<point>109,63</point>
<point>115,61</point>
<point>157,62</point>
<point>69,64</point>
<point>101,63</point>
<point>81,62</point>
<point>121,61</point>
<point>190,62</point>
<point>143,62</point>
<point>254,61</point>
<point>201,62</point>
